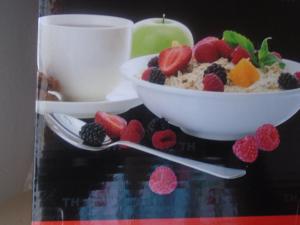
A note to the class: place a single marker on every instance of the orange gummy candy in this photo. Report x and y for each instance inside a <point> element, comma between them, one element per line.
<point>244,73</point>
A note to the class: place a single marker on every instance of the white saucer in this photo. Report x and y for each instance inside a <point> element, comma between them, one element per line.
<point>121,99</point>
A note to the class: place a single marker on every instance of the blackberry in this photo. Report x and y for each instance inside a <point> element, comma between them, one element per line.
<point>287,81</point>
<point>156,76</point>
<point>157,124</point>
<point>217,69</point>
<point>92,134</point>
<point>153,62</point>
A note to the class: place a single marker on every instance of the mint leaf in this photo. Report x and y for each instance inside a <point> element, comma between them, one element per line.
<point>265,57</point>
<point>263,52</point>
<point>269,60</point>
<point>282,65</point>
<point>234,39</point>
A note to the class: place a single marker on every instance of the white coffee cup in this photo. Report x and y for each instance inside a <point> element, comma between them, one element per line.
<point>84,53</point>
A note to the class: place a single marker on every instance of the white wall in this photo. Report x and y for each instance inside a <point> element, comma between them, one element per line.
<point>18,34</point>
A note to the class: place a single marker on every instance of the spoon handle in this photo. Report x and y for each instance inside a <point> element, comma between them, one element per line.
<point>64,126</point>
<point>215,170</point>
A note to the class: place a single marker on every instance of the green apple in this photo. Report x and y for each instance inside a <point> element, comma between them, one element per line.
<point>152,35</point>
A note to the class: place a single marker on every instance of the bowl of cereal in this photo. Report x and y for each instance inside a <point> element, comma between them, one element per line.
<point>219,93</point>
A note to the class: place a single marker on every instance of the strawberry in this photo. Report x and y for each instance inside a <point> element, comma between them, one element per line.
<point>238,54</point>
<point>174,59</point>
<point>206,46</point>
<point>224,49</point>
<point>112,124</point>
<point>209,39</point>
<point>206,50</point>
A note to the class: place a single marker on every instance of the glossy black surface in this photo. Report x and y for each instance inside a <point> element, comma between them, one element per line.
<point>256,19</point>
<point>113,184</point>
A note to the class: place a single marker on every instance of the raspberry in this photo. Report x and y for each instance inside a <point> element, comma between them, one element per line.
<point>153,62</point>
<point>136,126</point>
<point>267,137</point>
<point>246,149</point>
<point>238,54</point>
<point>217,69</point>
<point>146,74</point>
<point>157,124</point>
<point>297,75</point>
<point>131,137</point>
<point>164,139</point>
<point>211,82</point>
<point>133,132</point>
<point>277,54</point>
<point>163,180</point>
<point>287,81</point>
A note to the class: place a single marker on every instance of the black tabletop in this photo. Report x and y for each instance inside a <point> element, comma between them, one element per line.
<point>113,184</point>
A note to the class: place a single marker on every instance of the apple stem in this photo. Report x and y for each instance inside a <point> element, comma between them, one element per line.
<point>163,19</point>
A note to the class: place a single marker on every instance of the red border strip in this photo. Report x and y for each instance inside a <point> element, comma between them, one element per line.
<point>247,220</point>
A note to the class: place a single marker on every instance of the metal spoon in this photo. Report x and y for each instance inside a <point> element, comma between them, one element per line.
<point>68,128</point>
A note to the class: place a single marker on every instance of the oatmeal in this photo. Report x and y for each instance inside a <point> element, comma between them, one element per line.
<point>230,64</point>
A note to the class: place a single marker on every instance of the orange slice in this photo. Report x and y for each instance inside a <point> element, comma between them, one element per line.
<point>244,73</point>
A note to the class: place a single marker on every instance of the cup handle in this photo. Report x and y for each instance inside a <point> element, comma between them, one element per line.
<point>57,94</point>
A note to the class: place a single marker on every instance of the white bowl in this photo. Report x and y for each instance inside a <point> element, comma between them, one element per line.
<point>214,115</point>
